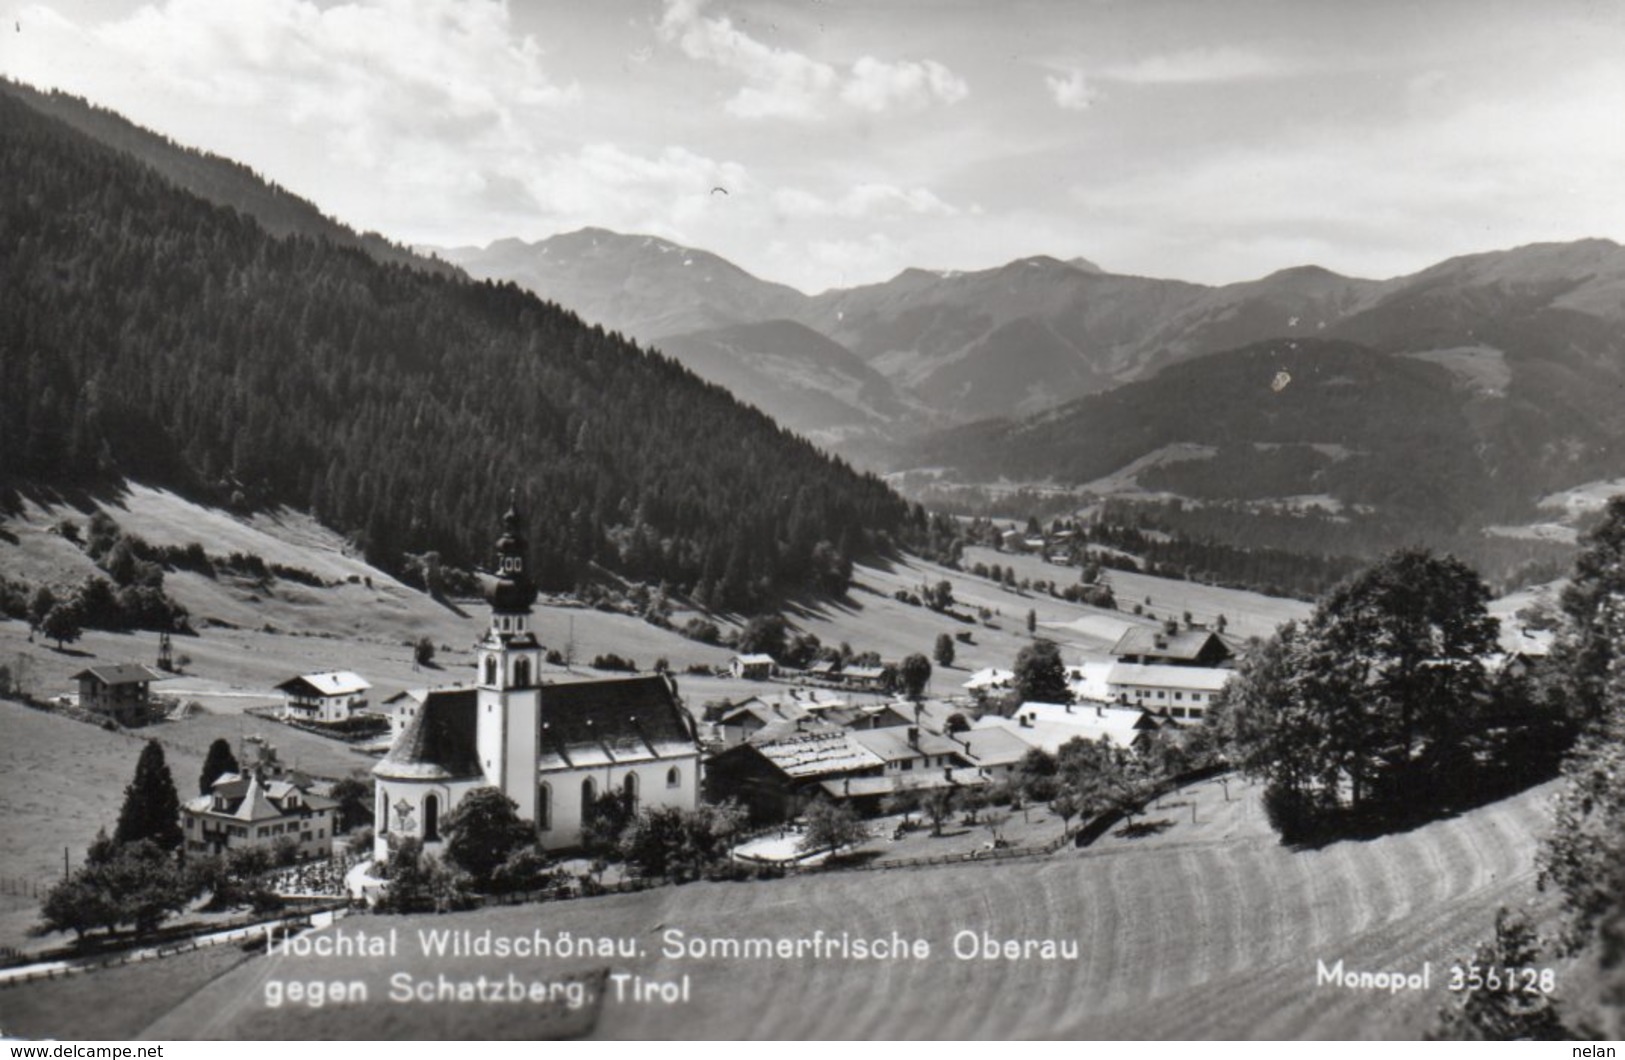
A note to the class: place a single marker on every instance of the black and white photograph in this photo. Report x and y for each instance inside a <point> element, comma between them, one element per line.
<point>812,519</point>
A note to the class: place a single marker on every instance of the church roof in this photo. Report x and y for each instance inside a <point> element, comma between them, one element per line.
<point>615,720</point>
<point>439,743</point>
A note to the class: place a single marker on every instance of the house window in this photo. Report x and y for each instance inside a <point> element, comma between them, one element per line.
<point>673,777</point>
<point>906,764</point>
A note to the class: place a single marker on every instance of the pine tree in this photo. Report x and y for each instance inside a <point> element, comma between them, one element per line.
<point>219,762</point>
<point>152,809</point>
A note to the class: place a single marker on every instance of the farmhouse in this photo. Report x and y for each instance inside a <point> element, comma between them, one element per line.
<point>772,779</point>
<point>995,752</point>
<point>1050,725</point>
<point>257,809</point>
<point>752,667</point>
<point>121,691</point>
<point>1155,645</point>
<point>989,679</point>
<point>905,748</point>
<point>325,697</point>
<point>401,708</point>
<point>553,748</point>
<point>1186,692</point>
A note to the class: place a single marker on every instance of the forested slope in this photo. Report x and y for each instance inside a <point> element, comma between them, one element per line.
<point>152,335</point>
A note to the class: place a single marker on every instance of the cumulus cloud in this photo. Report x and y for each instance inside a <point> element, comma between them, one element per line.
<point>877,86</point>
<point>1070,91</point>
<point>368,70</point>
<point>784,83</point>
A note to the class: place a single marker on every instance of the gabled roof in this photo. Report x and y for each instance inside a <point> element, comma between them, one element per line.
<point>1185,644</point>
<point>893,744</point>
<point>989,677</point>
<point>991,747</point>
<point>819,755</point>
<point>439,743</point>
<point>331,683</point>
<point>121,674</point>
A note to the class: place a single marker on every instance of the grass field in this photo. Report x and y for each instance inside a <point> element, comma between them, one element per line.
<point>1211,932</point>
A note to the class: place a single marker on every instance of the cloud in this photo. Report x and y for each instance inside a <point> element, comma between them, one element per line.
<point>606,185</point>
<point>1071,91</point>
<point>877,86</point>
<point>1195,66</point>
<point>864,200</point>
<point>784,83</point>
<point>368,71</point>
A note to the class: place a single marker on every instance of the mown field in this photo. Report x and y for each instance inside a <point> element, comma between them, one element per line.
<point>1214,932</point>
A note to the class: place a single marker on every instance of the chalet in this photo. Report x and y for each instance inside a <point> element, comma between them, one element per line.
<point>761,721</point>
<point>121,691</point>
<point>905,748</point>
<point>864,678</point>
<point>259,810</point>
<point>1155,645</point>
<point>989,679</point>
<point>772,780</point>
<point>328,697</point>
<point>752,667</point>
<point>401,708</point>
<point>1050,725</point>
<point>867,794</point>
<point>552,747</point>
<point>1186,692</point>
<point>996,752</point>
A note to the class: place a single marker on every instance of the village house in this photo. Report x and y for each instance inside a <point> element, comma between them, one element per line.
<point>752,667</point>
<point>400,709</point>
<point>1185,692</point>
<point>121,691</point>
<point>1156,645</point>
<point>329,697</point>
<point>1048,726</point>
<point>266,806</point>
<point>552,747</point>
<point>772,780</point>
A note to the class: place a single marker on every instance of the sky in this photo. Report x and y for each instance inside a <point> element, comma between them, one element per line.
<point>830,144</point>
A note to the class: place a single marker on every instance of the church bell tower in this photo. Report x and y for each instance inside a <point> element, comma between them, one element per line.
<point>509,673</point>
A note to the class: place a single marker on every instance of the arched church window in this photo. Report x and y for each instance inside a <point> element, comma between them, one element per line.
<point>589,795</point>
<point>490,670</point>
<point>630,786</point>
<point>521,673</point>
<point>673,777</point>
<point>431,818</point>
<point>544,807</point>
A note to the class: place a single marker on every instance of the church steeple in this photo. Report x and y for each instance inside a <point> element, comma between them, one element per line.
<point>514,592</point>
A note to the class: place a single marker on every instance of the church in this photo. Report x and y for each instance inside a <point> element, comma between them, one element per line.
<point>552,746</point>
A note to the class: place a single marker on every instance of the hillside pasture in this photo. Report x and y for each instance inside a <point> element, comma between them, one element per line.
<point>1246,613</point>
<point>1208,936</point>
